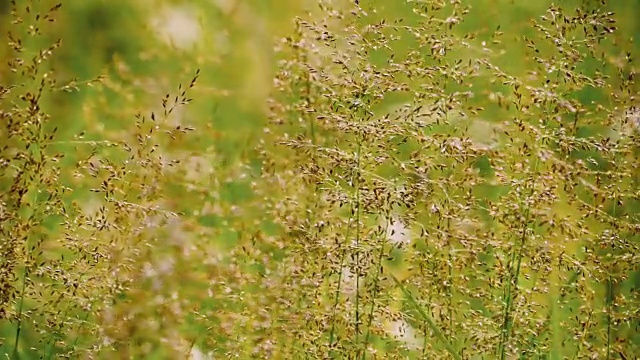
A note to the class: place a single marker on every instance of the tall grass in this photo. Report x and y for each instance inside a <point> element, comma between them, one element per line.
<point>493,169</point>
<point>424,185</point>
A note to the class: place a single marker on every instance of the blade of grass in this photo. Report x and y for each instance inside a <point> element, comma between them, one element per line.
<point>357,254</point>
<point>609,306</point>
<point>428,319</point>
<point>20,306</point>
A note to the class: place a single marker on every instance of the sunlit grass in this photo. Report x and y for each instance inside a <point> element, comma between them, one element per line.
<point>408,180</point>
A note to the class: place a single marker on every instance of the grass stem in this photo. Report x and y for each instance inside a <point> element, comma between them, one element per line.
<point>432,325</point>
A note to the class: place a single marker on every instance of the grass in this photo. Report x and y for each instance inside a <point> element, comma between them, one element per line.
<point>204,200</point>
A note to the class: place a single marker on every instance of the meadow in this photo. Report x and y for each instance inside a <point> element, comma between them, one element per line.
<point>319,179</point>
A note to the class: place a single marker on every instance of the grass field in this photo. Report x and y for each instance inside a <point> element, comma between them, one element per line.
<point>319,179</point>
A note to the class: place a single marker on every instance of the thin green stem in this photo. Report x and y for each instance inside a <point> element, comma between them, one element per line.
<point>450,284</point>
<point>610,294</point>
<point>335,304</point>
<point>609,301</point>
<point>357,252</point>
<point>516,256</point>
<point>20,307</point>
<point>510,293</point>
<point>312,125</point>
<point>450,246</point>
<point>376,280</point>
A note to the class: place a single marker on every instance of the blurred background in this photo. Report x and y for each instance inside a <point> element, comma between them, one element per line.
<point>154,44</point>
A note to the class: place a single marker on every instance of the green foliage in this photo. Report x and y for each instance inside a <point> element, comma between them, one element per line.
<point>416,179</point>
